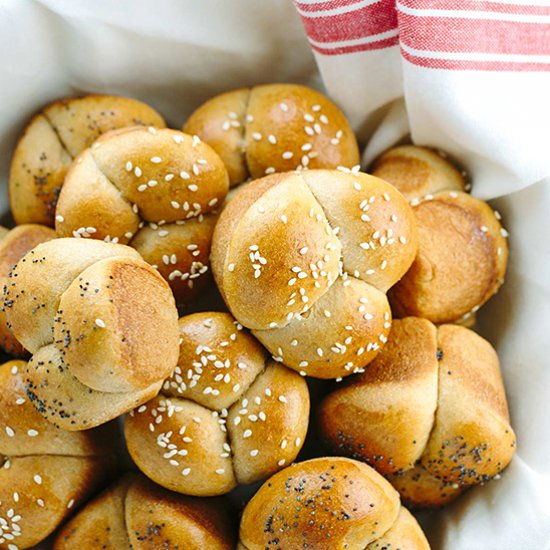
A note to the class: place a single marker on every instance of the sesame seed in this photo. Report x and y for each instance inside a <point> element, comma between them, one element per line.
<point>59,218</point>
<point>100,323</point>
<point>9,431</point>
<point>254,452</point>
<point>184,175</point>
<point>220,471</point>
<point>156,160</point>
<point>37,479</point>
<point>32,433</point>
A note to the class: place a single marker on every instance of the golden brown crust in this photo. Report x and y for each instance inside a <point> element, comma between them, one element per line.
<point>472,440</point>
<point>397,395</point>
<point>182,256</point>
<point>224,416</point>
<point>45,471</point>
<point>274,128</point>
<point>221,123</point>
<point>404,534</point>
<point>417,171</point>
<point>430,408</point>
<point>54,137</point>
<point>420,489</point>
<point>13,246</point>
<point>101,315</point>
<point>325,503</point>
<point>155,189</point>
<point>136,514</point>
<point>461,259</point>
<point>287,255</point>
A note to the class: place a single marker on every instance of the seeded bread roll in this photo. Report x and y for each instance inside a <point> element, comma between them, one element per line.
<point>101,318</point>
<point>304,260</point>
<point>461,260</point>
<point>154,189</point>
<point>14,244</point>
<point>226,415</point>
<point>45,471</point>
<point>135,514</point>
<point>439,393</point>
<point>274,128</point>
<point>328,503</point>
<point>417,171</point>
<point>54,137</point>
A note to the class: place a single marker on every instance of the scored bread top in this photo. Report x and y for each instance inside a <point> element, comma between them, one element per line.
<point>54,137</point>
<point>274,128</point>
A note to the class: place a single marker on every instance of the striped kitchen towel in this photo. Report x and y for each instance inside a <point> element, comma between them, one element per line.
<point>472,77</point>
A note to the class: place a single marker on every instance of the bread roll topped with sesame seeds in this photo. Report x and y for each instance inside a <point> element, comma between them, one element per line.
<point>45,471</point>
<point>226,415</point>
<point>54,137</point>
<point>14,244</point>
<point>418,171</point>
<point>96,318</point>
<point>328,503</point>
<point>461,259</point>
<point>430,408</point>
<point>274,128</point>
<point>136,514</point>
<point>304,260</point>
<point>156,190</point>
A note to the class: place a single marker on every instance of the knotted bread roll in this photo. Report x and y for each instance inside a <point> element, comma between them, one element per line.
<point>226,415</point>
<point>274,128</point>
<point>14,244</point>
<point>328,503</point>
<point>54,137</point>
<point>45,471</point>
<point>461,259</point>
<point>418,171</point>
<point>101,324</point>
<point>433,397</point>
<point>154,189</point>
<point>135,514</point>
<point>304,260</point>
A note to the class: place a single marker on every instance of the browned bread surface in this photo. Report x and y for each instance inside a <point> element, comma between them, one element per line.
<point>54,137</point>
<point>430,412</point>
<point>460,263</point>
<point>45,471</point>
<point>226,415</point>
<point>304,260</point>
<point>102,317</point>
<point>274,128</point>
<point>136,514</point>
<point>13,246</point>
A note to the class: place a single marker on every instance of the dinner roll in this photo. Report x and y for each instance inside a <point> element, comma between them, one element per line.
<point>54,137</point>
<point>14,244</point>
<point>45,471</point>
<point>135,514</point>
<point>433,397</point>
<point>101,325</point>
<point>304,260</point>
<point>154,189</point>
<point>328,503</point>
<point>226,415</point>
<point>418,171</point>
<point>461,260</point>
<point>274,128</point>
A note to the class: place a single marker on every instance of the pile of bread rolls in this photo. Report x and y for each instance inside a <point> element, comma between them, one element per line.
<point>137,286</point>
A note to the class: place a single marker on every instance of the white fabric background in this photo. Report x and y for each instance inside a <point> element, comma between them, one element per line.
<point>175,54</point>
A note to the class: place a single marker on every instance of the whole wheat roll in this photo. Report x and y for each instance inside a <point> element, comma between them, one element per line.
<point>101,318</point>
<point>274,128</point>
<point>157,190</point>
<point>135,514</point>
<point>304,260</point>
<point>461,259</point>
<point>46,472</point>
<point>227,414</point>
<point>328,503</point>
<point>14,244</point>
<point>54,137</point>
<point>439,393</point>
<point>418,171</point>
